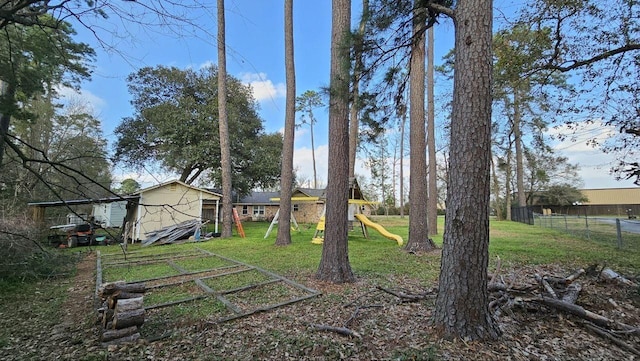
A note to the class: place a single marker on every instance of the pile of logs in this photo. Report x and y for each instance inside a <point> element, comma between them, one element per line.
<point>122,311</point>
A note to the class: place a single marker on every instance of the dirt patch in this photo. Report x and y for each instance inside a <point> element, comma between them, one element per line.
<point>389,328</point>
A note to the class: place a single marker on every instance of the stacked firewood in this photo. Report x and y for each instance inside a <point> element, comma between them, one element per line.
<point>122,311</point>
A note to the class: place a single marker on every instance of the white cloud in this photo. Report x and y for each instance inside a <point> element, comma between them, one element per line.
<point>96,103</point>
<point>206,64</point>
<point>577,145</point>
<point>298,132</point>
<point>263,88</point>
<point>303,163</point>
<point>582,136</point>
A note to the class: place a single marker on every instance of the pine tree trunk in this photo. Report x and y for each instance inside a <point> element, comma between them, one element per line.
<point>223,124</point>
<point>402,129</point>
<point>496,190</point>
<point>418,228</point>
<point>432,202</point>
<point>313,155</point>
<point>354,122</point>
<point>286,173</point>
<point>508,179</point>
<point>334,264</point>
<point>517,132</point>
<point>462,304</point>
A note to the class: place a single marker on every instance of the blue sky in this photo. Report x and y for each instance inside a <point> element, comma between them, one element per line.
<point>255,55</point>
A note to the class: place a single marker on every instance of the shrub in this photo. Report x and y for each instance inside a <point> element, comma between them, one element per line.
<point>25,257</point>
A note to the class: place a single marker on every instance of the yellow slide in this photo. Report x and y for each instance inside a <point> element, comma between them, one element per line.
<point>369,223</point>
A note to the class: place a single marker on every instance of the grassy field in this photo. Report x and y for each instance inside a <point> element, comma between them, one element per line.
<point>378,257</point>
<point>600,229</point>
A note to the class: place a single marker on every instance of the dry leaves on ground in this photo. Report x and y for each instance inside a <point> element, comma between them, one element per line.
<point>389,329</point>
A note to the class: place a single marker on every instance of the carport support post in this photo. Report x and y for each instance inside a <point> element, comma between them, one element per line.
<point>619,233</point>
<point>37,214</point>
<point>217,214</point>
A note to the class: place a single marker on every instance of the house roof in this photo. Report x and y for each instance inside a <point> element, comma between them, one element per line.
<point>180,183</point>
<point>309,192</point>
<point>314,194</point>
<point>75,202</point>
<point>272,198</point>
<point>259,198</point>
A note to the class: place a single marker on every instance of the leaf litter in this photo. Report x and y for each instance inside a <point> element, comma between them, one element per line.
<point>390,329</point>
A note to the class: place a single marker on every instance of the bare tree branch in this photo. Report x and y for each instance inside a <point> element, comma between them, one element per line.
<point>574,64</point>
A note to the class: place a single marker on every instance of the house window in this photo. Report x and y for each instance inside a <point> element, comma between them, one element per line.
<point>245,210</point>
<point>295,208</point>
<point>258,210</point>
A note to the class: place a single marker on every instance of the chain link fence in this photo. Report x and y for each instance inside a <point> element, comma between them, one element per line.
<point>622,233</point>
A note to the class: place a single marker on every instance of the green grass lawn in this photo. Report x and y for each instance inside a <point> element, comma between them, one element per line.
<point>381,258</point>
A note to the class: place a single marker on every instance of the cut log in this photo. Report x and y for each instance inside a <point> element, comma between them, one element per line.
<point>587,315</point>
<point>115,334</point>
<point>111,302</point>
<point>108,288</point>
<point>571,295</point>
<point>107,316</point>
<point>128,319</point>
<point>128,304</point>
<point>120,294</point>
<point>112,287</point>
<point>132,338</point>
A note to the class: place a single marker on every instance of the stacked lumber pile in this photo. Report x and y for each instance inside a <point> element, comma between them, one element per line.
<point>122,311</point>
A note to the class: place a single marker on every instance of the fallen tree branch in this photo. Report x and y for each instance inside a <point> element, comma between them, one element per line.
<point>547,287</point>
<point>609,336</point>
<point>498,301</point>
<point>501,287</point>
<point>405,296</point>
<point>585,314</point>
<point>572,292</point>
<point>339,330</point>
<point>356,312</point>
<point>612,276</point>
<point>575,275</point>
<point>564,281</point>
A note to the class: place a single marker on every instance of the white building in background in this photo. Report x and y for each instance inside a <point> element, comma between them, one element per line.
<point>110,215</point>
